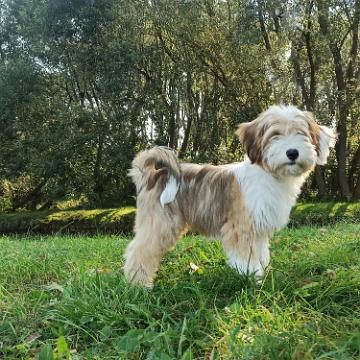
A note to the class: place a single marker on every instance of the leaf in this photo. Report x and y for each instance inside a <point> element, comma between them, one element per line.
<point>163,356</point>
<point>32,337</point>
<point>158,355</point>
<point>331,274</point>
<point>306,289</point>
<point>21,347</point>
<point>54,287</point>
<point>310,285</point>
<point>182,336</point>
<point>62,348</point>
<point>193,267</point>
<point>105,332</point>
<point>187,355</point>
<point>130,341</point>
<point>86,319</point>
<point>45,353</point>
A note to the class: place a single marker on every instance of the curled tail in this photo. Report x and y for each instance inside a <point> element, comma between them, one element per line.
<point>157,166</point>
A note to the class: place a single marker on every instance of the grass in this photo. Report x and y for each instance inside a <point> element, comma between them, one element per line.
<point>65,297</point>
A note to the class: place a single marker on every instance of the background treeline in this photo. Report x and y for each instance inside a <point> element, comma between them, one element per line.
<point>85,84</point>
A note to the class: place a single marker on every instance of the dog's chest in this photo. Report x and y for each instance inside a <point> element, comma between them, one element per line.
<point>268,200</point>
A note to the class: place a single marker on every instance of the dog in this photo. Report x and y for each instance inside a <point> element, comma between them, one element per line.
<point>242,204</point>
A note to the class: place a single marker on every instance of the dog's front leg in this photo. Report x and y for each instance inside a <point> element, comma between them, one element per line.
<point>263,251</point>
<point>247,253</point>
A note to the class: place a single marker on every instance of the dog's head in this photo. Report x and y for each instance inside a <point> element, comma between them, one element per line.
<point>286,141</point>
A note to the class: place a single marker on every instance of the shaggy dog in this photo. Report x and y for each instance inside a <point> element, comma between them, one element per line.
<point>241,204</point>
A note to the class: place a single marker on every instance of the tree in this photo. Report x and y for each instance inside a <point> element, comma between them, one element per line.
<point>85,85</point>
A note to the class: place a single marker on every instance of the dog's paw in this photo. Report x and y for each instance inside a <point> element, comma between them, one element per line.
<point>137,275</point>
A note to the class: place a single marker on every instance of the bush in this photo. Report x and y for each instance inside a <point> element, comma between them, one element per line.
<point>118,221</point>
<point>121,220</point>
<point>321,214</point>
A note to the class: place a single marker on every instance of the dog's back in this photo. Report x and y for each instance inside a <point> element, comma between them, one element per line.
<point>205,195</point>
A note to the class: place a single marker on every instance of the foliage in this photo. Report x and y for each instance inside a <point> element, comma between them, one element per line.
<point>85,85</point>
<point>325,213</point>
<point>65,295</point>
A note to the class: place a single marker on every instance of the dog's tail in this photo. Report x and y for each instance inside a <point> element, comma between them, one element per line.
<point>157,166</point>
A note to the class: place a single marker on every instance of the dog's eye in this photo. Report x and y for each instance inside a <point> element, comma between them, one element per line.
<point>299,132</point>
<point>275,135</point>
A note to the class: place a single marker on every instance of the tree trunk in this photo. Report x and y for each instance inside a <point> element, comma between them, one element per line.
<point>262,26</point>
<point>172,130</point>
<point>190,115</point>
<point>97,178</point>
<point>320,181</point>
<point>357,190</point>
<point>354,168</point>
<point>309,94</point>
<point>342,103</point>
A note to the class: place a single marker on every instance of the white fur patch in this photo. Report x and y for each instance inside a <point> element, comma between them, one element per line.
<point>170,191</point>
<point>245,266</point>
<point>284,111</point>
<point>268,199</point>
<point>263,251</point>
<point>327,140</point>
<point>276,158</point>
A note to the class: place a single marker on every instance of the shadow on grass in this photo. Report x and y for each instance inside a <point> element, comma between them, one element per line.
<point>341,210</point>
<point>217,286</point>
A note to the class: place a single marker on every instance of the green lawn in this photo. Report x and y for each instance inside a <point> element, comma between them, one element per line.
<point>65,297</point>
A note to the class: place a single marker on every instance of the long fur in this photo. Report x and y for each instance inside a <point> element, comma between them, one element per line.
<point>242,204</point>
<point>158,164</point>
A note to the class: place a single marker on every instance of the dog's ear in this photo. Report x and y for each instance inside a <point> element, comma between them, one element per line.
<point>327,140</point>
<point>322,137</point>
<point>250,139</point>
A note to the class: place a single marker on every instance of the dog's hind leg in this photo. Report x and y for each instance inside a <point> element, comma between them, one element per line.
<point>156,233</point>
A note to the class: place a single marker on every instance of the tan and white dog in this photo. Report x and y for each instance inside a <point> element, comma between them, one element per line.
<point>241,204</point>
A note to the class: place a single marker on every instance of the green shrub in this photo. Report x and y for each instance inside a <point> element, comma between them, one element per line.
<point>72,221</point>
<point>321,214</point>
<point>121,220</point>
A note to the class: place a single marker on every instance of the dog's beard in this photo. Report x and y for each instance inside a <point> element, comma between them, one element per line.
<point>295,168</point>
<point>279,164</point>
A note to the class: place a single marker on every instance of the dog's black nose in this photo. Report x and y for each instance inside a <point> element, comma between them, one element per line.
<point>292,154</point>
